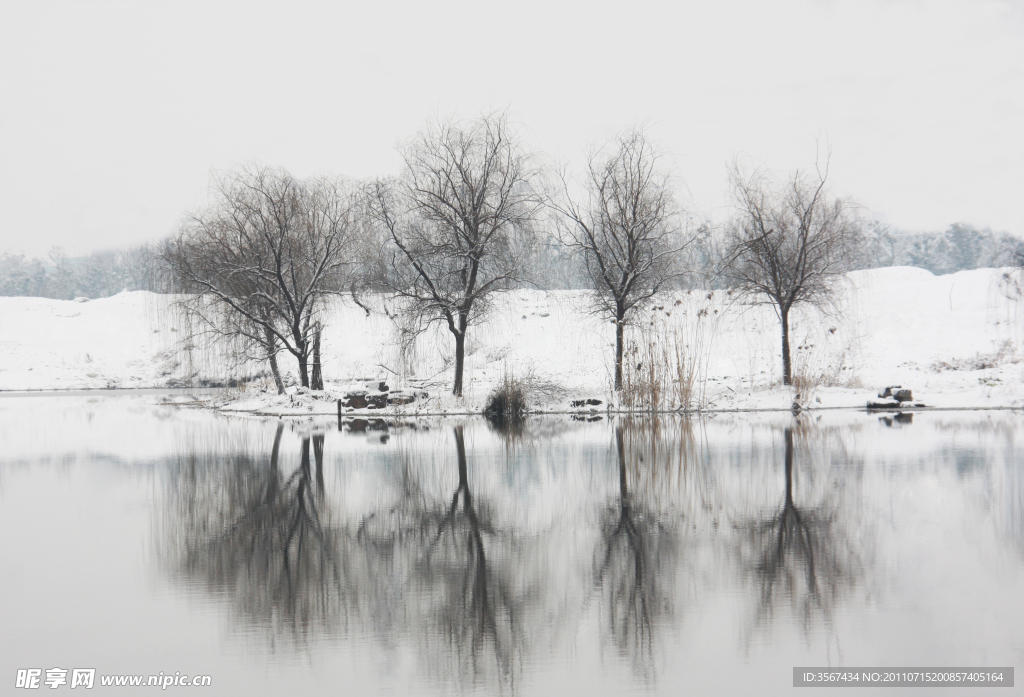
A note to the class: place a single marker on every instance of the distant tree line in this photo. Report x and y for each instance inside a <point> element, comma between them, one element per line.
<point>957,248</point>
<point>101,274</point>
<point>98,275</point>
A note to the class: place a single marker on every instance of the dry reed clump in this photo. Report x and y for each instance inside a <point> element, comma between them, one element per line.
<point>823,359</point>
<point>810,374</point>
<point>665,364</point>
<point>806,384</point>
<point>506,405</point>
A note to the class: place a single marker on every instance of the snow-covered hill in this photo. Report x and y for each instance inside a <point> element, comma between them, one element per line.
<point>955,340</point>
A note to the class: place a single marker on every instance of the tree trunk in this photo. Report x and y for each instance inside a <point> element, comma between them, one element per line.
<point>787,366</point>
<point>317,379</point>
<point>619,326</point>
<point>277,373</point>
<point>273,479</point>
<point>272,357</point>
<point>304,367</point>
<point>304,482</point>
<point>460,350</point>
<point>460,360</point>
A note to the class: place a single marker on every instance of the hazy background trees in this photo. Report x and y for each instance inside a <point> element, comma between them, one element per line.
<point>106,273</point>
<point>789,244</point>
<point>257,266</point>
<point>957,248</point>
<point>625,229</point>
<point>459,222</point>
<point>98,275</point>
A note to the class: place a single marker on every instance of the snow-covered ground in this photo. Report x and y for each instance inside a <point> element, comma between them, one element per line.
<point>955,340</point>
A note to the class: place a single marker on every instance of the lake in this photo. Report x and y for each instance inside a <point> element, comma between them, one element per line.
<point>587,555</point>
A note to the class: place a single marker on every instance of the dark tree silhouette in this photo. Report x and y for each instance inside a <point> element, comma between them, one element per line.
<point>481,612</point>
<point>459,222</point>
<point>789,245</point>
<point>257,265</point>
<point>626,230</point>
<point>469,603</point>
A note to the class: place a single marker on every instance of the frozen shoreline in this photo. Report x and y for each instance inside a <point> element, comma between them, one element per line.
<point>232,406</point>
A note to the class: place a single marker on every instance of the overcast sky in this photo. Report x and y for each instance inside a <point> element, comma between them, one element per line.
<point>113,114</point>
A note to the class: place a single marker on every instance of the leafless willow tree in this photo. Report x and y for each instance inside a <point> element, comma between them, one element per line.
<point>626,229</point>
<point>790,243</point>
<point>256,266</point>
<point>459,222</point>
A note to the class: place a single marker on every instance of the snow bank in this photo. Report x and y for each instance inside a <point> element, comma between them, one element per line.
<point>121,341</point>
<point>954,340</point>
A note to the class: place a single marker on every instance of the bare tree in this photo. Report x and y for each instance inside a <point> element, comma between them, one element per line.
<point>790,243</point>
<point>260,261</point>
<point>626,230</point>
<point>458,221</point>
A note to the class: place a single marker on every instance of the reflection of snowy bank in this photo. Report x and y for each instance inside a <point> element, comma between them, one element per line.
<point>956,340</point>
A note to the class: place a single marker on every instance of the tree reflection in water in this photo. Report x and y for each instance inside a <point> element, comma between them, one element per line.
<point>478,612</point>
<point>458,591</point>
<point>255,536</point>
<point>635,570</point>
<point>474,591</point>
<point>802,558</point>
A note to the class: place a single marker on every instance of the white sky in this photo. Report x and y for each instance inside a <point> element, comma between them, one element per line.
<point>112,114</point>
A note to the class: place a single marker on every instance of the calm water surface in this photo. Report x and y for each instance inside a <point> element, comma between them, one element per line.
<point>608,557</point>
